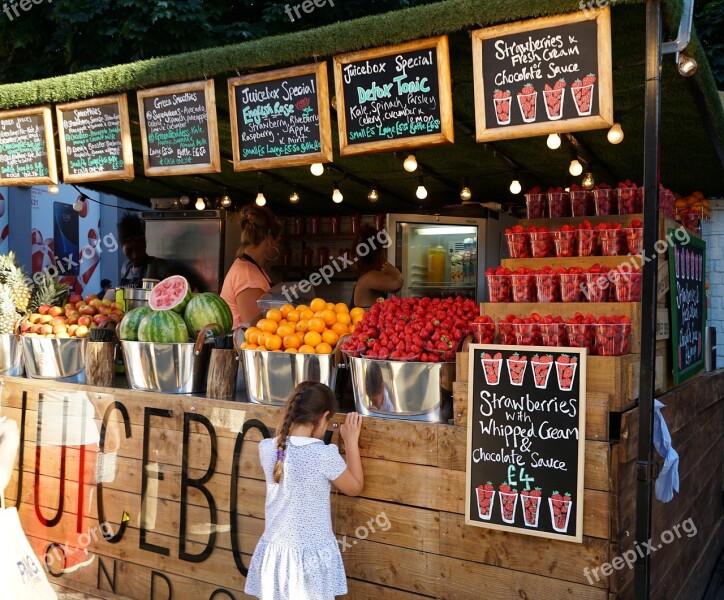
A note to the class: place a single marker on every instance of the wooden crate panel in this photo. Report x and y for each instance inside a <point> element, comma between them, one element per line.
<point>612,262</point>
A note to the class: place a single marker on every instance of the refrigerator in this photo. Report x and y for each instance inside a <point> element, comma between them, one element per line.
<point>201,245</point>
<point>442,256</point>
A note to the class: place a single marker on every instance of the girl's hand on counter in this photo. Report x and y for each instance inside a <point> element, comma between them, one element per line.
<point>351,428</point>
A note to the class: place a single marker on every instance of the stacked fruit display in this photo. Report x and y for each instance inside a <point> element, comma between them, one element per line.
<point>15,293</point>
<point>174,314</point>
<point>313,329</point>
<point>413,329</point>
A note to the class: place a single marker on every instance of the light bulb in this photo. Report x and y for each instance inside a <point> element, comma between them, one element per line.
<point>200,204</point>
<point>515,187</point>
<point>53,189</point>
<point>615,134</point>
<point>294,197</point>
<point>373,195</point>
<point>260,199</point>
<point>575,168</point>
<point>226,201</point>
<point>554,141</point>
<point>337,196</point>
<point>687,65</point>
<point>79,203</point>
<point>317,169</point>
<point>410,164</point>
<point>465,193</point>
<point>588,181</point>
<point>184,200</point>
<point>421,192</point>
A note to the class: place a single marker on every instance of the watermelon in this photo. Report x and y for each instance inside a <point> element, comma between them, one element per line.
<point>127,329</point>
<point>163,326</point>
<point>173,293</point>
<point>204,309</point>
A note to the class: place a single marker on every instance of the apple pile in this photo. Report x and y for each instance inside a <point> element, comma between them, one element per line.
<point>75,319</point>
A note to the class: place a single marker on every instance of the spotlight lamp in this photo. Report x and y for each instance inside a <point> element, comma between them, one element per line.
<point>615,134</point>
<point>687,65</point>
<point>421,191</point>
<point>317,169</point>
<point>554,141</point>
<point>337,195</point>
<point>410,163</point>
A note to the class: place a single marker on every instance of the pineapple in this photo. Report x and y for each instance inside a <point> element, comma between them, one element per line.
<point>49,292</point>
<point>8,315</point>
<point>14,276</point>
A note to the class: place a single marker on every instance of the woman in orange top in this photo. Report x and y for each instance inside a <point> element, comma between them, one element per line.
<point>247,280</point>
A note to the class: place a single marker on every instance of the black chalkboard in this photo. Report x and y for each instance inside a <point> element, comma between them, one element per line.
<point>526,418</point>
<point>394,97</point>
<point>553,72</point>
<point>95,139</point>
<point>27,153</point>
<point>281,118</point>
<point>687,285</point>
<point>178,126</point>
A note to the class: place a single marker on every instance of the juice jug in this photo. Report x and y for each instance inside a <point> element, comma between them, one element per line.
<point>436,258</point>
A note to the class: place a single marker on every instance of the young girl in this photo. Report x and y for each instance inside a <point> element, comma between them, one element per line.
<point>297,557</point>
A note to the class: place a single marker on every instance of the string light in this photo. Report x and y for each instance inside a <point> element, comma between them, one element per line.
<point>554,141</point>
<point>465,193</point>
<point>260,198</point>
<point>53,189</point>
<point>337,196</point>
<point>373,195</point>
<point>200,204</point>
<point>515,187</point>
<point>575,168</point>
<point>226,201</point>
<point>294,197</point>
<point>79,203</point>
<point>421,191</point>
<point>317,169</point>
<point>615,134</point>
<point>687,65</point>
<point>588,181</point>
<point>410,163</point>
<point>184,200</point>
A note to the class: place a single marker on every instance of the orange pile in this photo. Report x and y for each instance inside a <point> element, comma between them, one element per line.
<point>313,329</point>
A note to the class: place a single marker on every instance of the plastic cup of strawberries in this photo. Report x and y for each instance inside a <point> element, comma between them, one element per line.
<point>483,328</point>
<point>627,286</point>
<point>629,198</point>
<point>492,365</point>
<point>598,286</point>
<point>566,371</point>
<point>559,203</point>
<point>531,506</point>
<point>560,506</point>
<point>613,241</point>
<point>634,236</point>
<point>604,200</point>
<point>548,286</point>
<point>553,333</point>
<point>524,286</point>
<point>571,285</point>
<point>518,242</point>
<point>612,336</point>
<point>586,239</point>
<point>541,242</point>
<point>486,498</point>
<point>508,500</point>
<point>499,288</point>
<point>564,241</point>
<point>581,204</point>
<point>580,333</point>
<point>536,204</point>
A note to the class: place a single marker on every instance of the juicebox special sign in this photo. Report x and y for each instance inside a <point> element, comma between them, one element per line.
<point>543,76</point>
<point>526,432</point>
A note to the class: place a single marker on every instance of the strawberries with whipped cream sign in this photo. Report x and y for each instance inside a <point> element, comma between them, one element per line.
<point>549,75</point>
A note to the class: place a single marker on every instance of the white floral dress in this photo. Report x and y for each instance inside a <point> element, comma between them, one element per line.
<point>297,557</point>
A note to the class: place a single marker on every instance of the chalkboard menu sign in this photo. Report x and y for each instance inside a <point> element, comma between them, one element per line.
<point>95,139</point>
<point>526,432</point>
<point>394,98</point>
<point>543,76</point>
<point>687,280</point>
<point>178,129</point>
<point>281,118</point>
<point>27,151</point>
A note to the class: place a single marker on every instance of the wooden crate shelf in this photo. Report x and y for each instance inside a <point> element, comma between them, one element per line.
<point>623,219</point>
<point>584,262</point>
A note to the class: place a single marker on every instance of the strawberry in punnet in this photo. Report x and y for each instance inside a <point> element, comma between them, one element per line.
<point>566,372</point>
<point>627,286</point>
<point>579,329</point>
<point>586,239</point>
<point>548,284</point>
<point>527,102</point>
<point>553,331</point>
<point>613,242</point>
<point>486,496</point>
<point>634,235</point>
<point>524,287</point>
<point>558,203</point>
<point>581,201</point>
<point>541,241</point>
<point>536,204</point>
<point>564,240</point>
<point>517,238</point>
<point>501,100</point>
<point>483,330</point>
<point>630,199</point>
<point>542,366</point>
<point>604,199</point>
<point>597,284</point>
<point>516,368</point>
<point>508,499</point>
<point>554,97</point>
<point>560,506</point>
<point>612,335</point>
<point>499,287</point>
<point>531,506</point>
<point>571,283</point>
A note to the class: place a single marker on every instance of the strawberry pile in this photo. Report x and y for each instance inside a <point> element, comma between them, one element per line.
<point>536,203</point>
<point>553,97</point>
<point>559,204</point>
<point>491,367</point>
<point>516,366</point>
<point>630,198</point>
<point>542,366</point>
<point>531,505</point>
<point>520,331</point>
<point>508,499</point>
<point>501,100</point>
<point>541,241</point>
<point>483,330</point>
<point>612,335</point>
<point>582,91</point>
<point>527,102</point>
<point>560,510</point>
<point>565,370</point>
<point>419,329</point>
<point>485,500</point>
<point>604,200</point>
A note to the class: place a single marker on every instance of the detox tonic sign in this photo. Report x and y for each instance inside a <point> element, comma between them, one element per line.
<point>394,98</point>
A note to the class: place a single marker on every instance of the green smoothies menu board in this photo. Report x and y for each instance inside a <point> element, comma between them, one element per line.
<point>526,434</point>
<point>280,118</point>
<point>394,98</point>
<point>95,139</point>
<point>27,151</point>
<point>543,76</point>
<point>178,129</point>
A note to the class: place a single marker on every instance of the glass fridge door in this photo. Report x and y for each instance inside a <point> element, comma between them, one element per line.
<point>438,259</point>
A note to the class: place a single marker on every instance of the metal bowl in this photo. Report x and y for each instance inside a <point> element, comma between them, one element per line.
<point>54,358</point>
<point>272,376</point>
<point>11,355</point>
<point>168,368</point>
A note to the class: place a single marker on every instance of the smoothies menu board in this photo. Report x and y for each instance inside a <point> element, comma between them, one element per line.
<point>27,151</point>
<point>178,129</point>
<point>543,76</point>
<point>526,432</point>
<point>95,139</point>
<point>281,118</point>
<point>394,98</point>
<point>687,275</point>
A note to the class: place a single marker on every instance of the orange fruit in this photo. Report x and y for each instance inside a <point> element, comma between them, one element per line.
<point>293,316</point>
<point>245,346</point>
<point>356,319</point>
<point>291,350</point>
<point>317,304</point>
<point>317,324</point>
<point>352,328</point>
<point>330,337</point>
<point>339,328</point>
<point>274,314</point>
<point>261,339</point>
<point>312,338</point>
<point>302,326</point>
<point>252,347</point>
<point>286,309</point>
<point>306,349</point>
<point>307,314</point>
<point>356,311</point>
<point>330,306</point>
<point>293,340</point>
<point>341,307</point>
<point>323,348</point>
<point>285,330</point>
<point>252,334</point>
<point>273,342</point>
<point>329,317</point>
<point>269,326</point>
<point>344,318</point>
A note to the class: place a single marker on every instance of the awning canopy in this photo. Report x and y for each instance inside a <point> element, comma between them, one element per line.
<point>692,121</point>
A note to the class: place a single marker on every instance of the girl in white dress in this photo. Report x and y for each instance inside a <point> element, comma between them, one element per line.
<point>297,557</point>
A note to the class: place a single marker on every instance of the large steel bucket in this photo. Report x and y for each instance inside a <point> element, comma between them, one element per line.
<point>272,376</point>
<point>55,358</point>
<point>11,355</point>
<point>401,390</point>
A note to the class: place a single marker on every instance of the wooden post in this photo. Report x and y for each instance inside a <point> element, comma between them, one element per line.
<point>100,363</point>
<point>221,381</point>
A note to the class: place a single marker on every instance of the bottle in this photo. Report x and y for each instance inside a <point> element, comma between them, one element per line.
<point>436,265</point>
<point>466,262</point>
<point>472,252</point>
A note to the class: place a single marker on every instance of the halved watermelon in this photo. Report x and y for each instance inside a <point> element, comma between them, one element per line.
<point>163,326</point>
<point>173,293</point>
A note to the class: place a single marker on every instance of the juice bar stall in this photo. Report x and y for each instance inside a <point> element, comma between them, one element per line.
<point>501,386</point>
